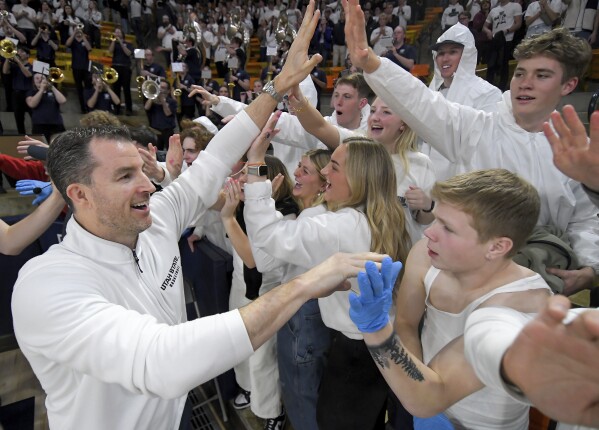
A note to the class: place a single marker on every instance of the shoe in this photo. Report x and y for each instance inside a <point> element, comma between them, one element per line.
<point>277,423</point>
<point>242,400</point>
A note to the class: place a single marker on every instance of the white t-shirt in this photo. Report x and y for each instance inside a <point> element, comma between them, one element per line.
<point>502,18</point>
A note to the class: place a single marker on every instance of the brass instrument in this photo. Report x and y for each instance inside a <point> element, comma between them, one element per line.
<point>80,27</point>
<point>177,92</point>
<point>43,27</point>
<point>234,26</point>
<point>110,76</point>
<point>3,14</point>
<point>150,89</point>
<point>112,37</point>
<point>55,75</point>
<point>7,49</point>
<point>140,81</point>
<point>231,85</point>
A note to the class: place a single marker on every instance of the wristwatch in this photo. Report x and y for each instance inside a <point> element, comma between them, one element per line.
<point>261,170</point>
<point>269,89</point>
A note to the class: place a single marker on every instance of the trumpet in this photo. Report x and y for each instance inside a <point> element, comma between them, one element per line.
<point>150,89</point>
<point>110,76</point>
<point>43,27</point>
<point>112,37</point>
<point>7,49</point>
<point>3,14</point>
<point>79,27</point>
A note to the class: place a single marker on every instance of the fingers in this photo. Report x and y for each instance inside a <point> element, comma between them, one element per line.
<point>366,289</point>
<point>390,271</point>
<point>152,149</point>
<point>376,280</point>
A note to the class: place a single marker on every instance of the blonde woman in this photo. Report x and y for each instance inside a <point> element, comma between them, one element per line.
<point>363,214</point>
<point>414,171</point>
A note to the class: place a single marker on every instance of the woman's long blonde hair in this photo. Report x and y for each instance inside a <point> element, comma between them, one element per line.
<point>372,183</point>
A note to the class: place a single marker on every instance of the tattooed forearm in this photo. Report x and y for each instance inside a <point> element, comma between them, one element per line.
<point>393,350</point>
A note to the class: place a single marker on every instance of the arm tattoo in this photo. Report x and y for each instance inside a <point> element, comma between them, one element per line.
<point>394,350</point>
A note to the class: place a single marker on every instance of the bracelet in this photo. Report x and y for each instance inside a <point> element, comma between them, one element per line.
<point>301,106</point>
<point>431,209</point>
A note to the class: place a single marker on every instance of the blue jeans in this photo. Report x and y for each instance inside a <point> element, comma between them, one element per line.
<point>302,344</point>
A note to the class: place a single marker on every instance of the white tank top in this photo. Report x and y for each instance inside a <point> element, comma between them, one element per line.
<point>487,409</point>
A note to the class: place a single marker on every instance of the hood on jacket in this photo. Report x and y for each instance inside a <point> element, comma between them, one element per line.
<point>467,67</point>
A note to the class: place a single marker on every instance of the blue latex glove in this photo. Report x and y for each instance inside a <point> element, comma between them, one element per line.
<point>28,187</point>
<point>370,310</point>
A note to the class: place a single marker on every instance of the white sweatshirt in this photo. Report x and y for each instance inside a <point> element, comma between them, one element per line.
<point>107,336</point>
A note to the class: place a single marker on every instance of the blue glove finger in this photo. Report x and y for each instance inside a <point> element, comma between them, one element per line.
<point>26,193</point>
<point>354,303</point>
<point>365,287</point>
<point>375,279</point>
<point>39,199</point>
<point>24,187</point>
<point>390,271</point>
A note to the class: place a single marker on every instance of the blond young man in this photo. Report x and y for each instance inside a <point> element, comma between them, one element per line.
<point>464,264</point>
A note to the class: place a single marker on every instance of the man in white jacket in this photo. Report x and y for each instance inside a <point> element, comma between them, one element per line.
<point>548,68</point>
<point>455,77</point>
<point>101,316</point>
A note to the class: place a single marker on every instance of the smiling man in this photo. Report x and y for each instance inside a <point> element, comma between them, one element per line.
<point>455,77</point>
<point>549,67</point>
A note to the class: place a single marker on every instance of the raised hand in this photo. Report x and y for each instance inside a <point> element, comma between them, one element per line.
<point>23,145</point>
<point>298,66</point>
<point>174,156</point>
<point>574,154</point>
<point>259,146</point>
<point>361,54</point>
<point>370,310</point>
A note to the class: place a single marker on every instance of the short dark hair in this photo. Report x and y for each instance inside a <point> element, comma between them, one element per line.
<point>69,157</point>
<point>143,135</point>
<point>357,81</point>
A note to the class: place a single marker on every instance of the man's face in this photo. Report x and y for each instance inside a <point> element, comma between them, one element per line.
<point>537,88</point>
<point>149,56</point>
<point>399,35</point>
<point>448,58</point>
<point>164,88</point>
<point>117,203</point>
<point>453,244</point>
<point>347,104</point>
<point>2,5</point>
<point>190,153</point>
<point>165,21</point>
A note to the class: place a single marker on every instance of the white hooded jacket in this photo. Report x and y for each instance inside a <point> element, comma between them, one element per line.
<point>466,89</point>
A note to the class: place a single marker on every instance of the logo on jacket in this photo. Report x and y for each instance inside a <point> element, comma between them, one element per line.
<point>173,272</point>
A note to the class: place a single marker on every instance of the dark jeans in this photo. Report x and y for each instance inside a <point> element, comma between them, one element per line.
<point>499,62</point>
<point>353,393</point>
<point>123,82</point>
<point>165,133</point>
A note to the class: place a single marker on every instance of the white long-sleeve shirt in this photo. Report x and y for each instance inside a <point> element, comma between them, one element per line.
<point>106,334</point>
